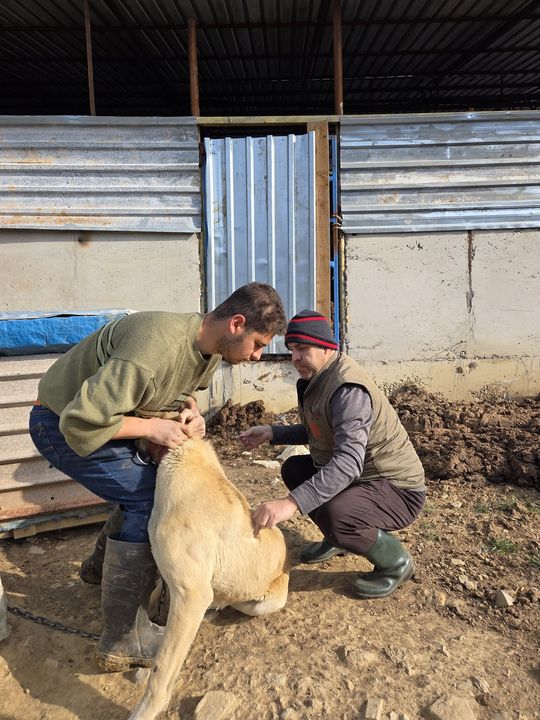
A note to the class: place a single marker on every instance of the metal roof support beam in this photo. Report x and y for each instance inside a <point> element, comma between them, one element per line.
<point>89,60</point>
<point>193,69</point>
<point>367,23</point>
<point>338,59</point>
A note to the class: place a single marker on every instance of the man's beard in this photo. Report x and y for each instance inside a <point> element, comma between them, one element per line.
<point>226,345</point>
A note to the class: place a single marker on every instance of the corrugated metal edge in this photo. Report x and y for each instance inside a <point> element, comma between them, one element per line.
<point>408,118</point>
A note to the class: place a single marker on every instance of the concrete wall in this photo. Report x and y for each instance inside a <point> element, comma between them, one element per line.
<point>50,270</point>
<point>274,382</point>
<point>456,312</point>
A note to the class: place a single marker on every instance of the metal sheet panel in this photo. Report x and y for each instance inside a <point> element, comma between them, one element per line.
<point>460,171</point>
<point>260,218</point>
<point>28,485</point>
<point>89,173</point>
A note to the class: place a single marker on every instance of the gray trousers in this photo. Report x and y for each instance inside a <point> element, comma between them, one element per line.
<point>351,519</point>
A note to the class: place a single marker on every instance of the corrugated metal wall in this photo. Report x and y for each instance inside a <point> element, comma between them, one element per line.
<point>436,172</point>
<point>260,218</point>
<point>101,173</point>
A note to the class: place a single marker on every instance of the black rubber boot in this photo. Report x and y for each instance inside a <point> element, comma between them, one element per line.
<point>320,551</point>
<point>91,568</point>
<point>393,566</point>
<point>128,639</point>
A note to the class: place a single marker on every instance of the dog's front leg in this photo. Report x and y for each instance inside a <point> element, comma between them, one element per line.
<point>186,611</point>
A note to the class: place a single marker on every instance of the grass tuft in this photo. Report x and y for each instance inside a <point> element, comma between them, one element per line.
<point>501,546</point>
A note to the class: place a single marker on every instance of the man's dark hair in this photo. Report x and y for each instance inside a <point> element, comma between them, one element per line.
<point>260,304</point>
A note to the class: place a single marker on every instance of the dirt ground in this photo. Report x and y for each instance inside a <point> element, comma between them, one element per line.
<point>327,653</point>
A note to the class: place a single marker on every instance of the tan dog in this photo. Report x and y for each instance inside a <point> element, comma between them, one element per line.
<point>202,541</point>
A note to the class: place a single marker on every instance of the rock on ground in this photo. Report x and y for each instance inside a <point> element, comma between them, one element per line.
<point>216,705</point>
<point>450,707</point>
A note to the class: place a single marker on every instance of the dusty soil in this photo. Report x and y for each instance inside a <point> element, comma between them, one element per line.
<point>327,652</point>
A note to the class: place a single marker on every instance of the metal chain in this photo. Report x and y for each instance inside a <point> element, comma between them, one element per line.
<point>50,623</point>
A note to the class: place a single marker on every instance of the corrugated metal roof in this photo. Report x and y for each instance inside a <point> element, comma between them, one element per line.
<point>270,57</point>
<point>412,173</point>
<point>96,172</point>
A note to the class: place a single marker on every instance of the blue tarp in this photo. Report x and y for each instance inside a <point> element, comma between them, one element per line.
<point>29,333</point>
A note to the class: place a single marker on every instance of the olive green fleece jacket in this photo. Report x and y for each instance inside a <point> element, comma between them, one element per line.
<point>144,364</point>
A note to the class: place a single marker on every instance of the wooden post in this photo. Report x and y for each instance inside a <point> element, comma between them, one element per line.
<point>193,70</point>
<point>89,61</point>
<point>322,222</point>
<point>338,59</point>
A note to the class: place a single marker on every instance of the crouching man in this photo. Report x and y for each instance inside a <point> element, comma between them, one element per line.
<point>362,477</point>
<point>116,386</point>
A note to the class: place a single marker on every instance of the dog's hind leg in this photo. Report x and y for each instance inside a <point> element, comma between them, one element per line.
<point>273,599</point>
<point>187,607</point>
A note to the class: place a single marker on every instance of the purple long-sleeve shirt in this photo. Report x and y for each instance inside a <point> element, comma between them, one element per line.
<point>352,416</point>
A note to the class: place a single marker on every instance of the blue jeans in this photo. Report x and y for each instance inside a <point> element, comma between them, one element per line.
<point>114,472</point>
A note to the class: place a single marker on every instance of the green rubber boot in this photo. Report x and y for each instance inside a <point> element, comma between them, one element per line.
<point>393,566</point>
<point>91,568</point>
<point>128,639</point>
<point>320,551</point>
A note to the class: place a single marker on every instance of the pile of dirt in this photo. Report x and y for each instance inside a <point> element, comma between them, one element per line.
<point>226,425</point>
<point>495,440</point>
<point>233,419</point>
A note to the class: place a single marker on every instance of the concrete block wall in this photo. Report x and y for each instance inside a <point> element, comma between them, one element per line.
<point>457,312</point>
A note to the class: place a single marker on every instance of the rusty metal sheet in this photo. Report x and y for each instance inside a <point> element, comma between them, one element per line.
<point>108,173</point>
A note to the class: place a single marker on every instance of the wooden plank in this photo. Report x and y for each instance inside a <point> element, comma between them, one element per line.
<point>89,57</point>
<point>14,419</point>
<point>46,500</point>
<point>338,57</point>
<point>193,69</point>
<point>322,194</point>
<point>26,365</point>
<point>18,392</point>
<point>36,471</point>
<point>57,524</point>
<point>15,448</point>
<point>266,119</point>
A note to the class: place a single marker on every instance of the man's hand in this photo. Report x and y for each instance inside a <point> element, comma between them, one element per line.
<point>268,514</point>
<point>255,436</point>
<point>192,421</point>
<point>169,433</point>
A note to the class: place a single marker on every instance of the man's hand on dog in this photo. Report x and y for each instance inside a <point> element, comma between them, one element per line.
<point>270,513</point>
<point>192,423</point>
<point>172,433</point>
<point>168,433</point>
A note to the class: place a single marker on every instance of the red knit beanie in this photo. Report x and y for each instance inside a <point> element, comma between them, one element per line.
<point>310,328</point>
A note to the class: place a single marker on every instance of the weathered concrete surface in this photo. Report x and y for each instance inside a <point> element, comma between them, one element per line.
<point>406,297</point>
<point>275,382</point>
<point>454,312</point>
<point>506,285</point>
<point>46,270</point>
